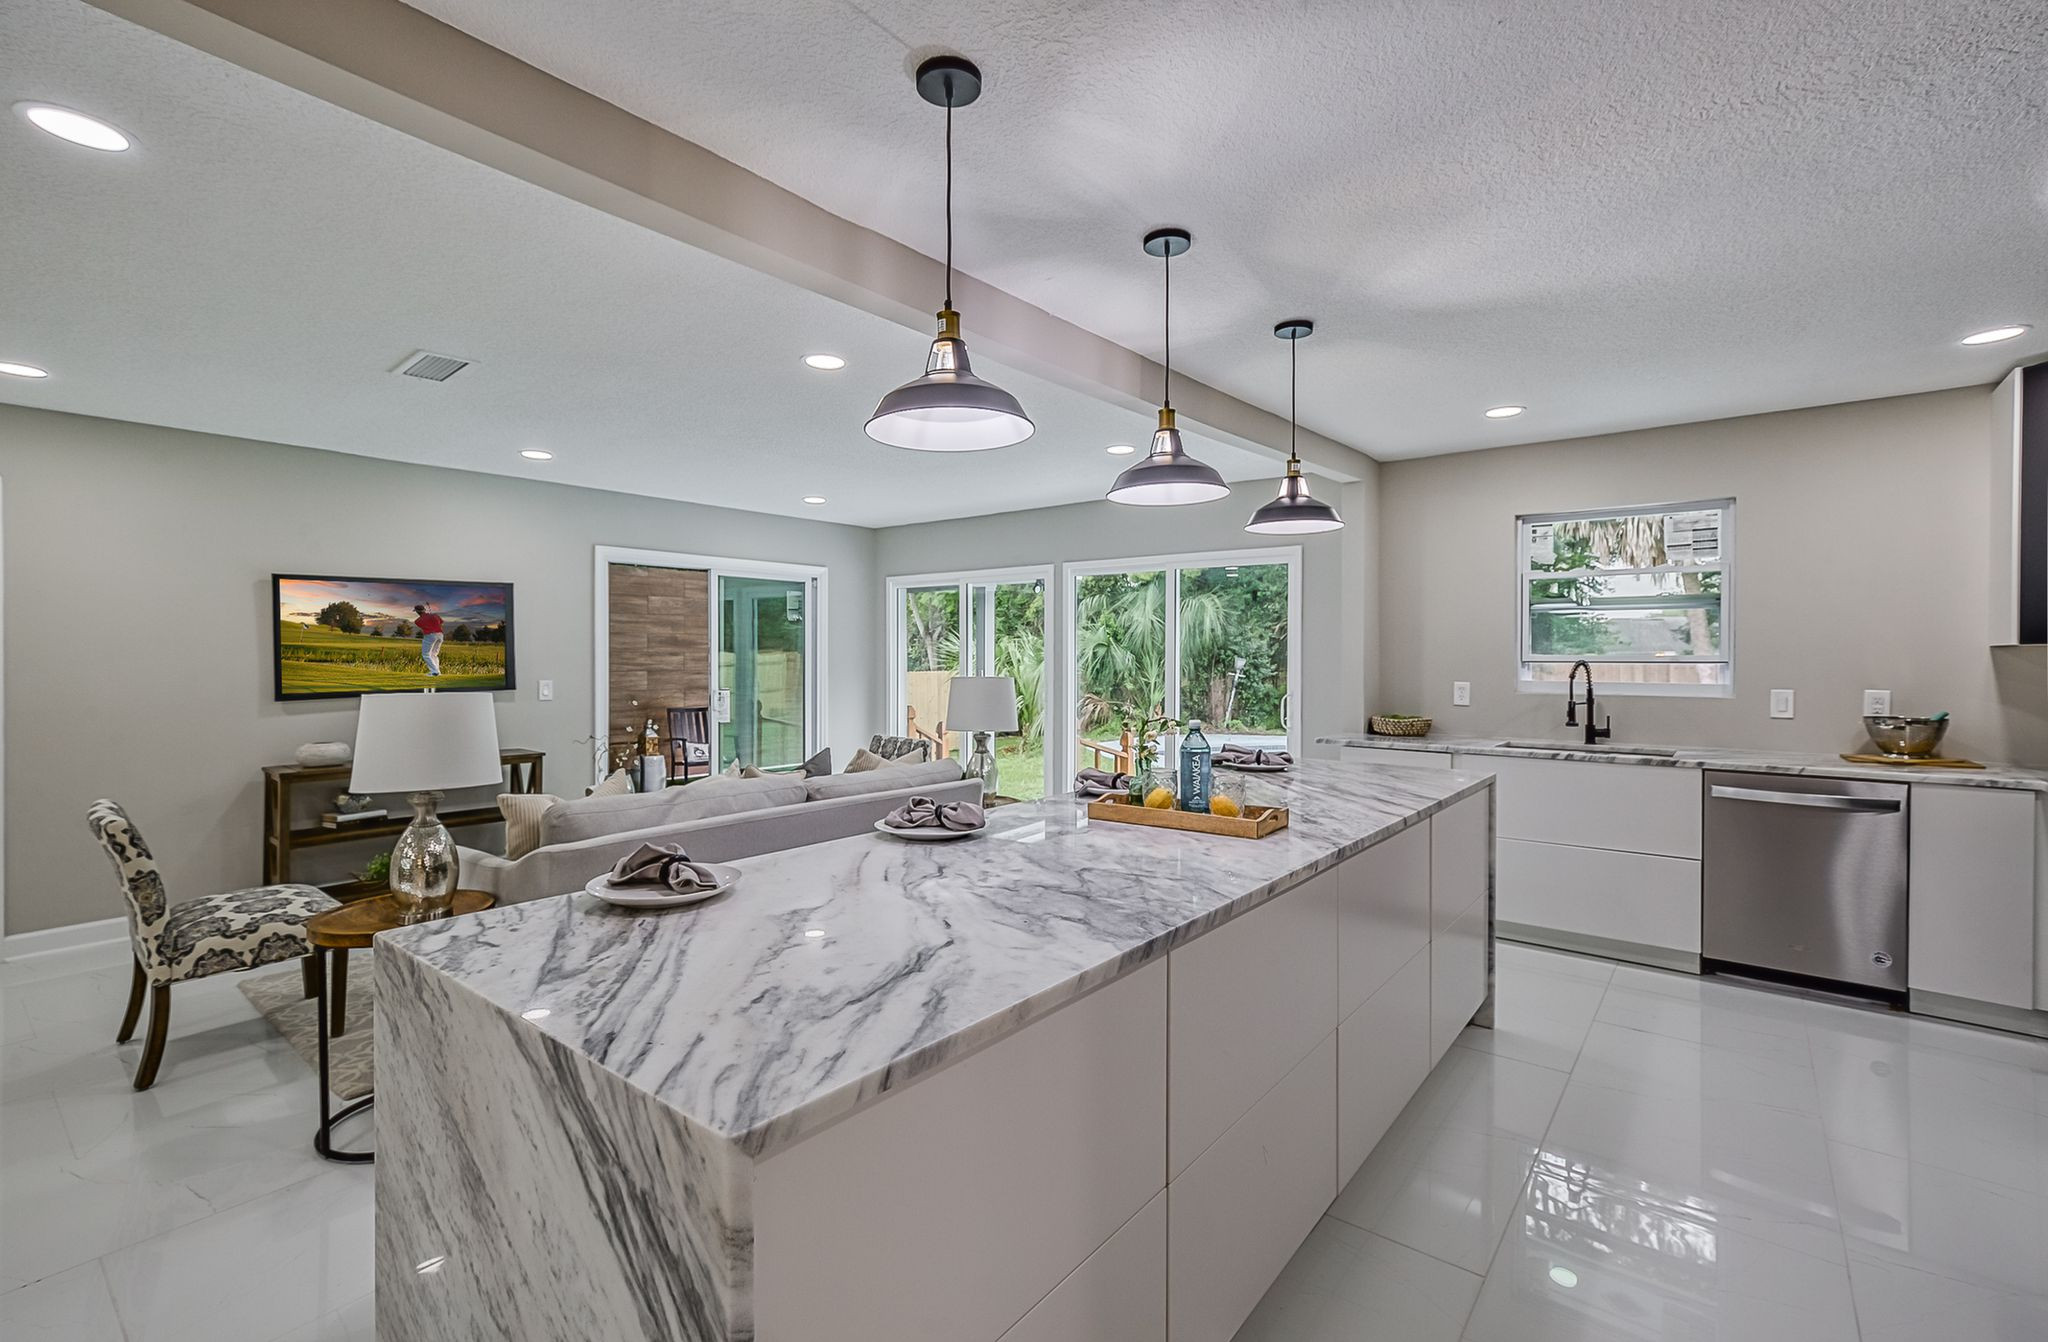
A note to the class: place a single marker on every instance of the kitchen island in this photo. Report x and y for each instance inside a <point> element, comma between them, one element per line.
<point>1063,1080</point>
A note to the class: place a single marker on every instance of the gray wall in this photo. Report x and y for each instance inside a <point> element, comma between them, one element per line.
<point>138,564</point>
<point>1861,562</point>
<point>1338,580</point>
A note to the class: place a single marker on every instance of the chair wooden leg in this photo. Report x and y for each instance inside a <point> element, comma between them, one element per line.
<point>134,1011</point>
<point>337,998</point>
<point>309,966</point>
<point>159,1027</point>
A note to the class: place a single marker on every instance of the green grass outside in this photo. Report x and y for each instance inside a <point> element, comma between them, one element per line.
<point>320,660</point>
<point>1020,768</point>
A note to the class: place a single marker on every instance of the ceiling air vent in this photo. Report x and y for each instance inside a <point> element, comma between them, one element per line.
<point>432,367</point>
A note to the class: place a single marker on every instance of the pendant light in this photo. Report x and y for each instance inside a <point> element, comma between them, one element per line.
<point>1296,512</point>
<point>949,409</point>
<point>1167,475</point>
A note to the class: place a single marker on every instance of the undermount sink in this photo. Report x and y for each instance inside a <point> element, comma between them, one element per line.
<point>1575,748</point>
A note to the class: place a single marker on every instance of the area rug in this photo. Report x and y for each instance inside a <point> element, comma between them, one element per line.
<point>281,999</point>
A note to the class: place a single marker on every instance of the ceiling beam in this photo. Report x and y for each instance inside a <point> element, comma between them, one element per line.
<point>404,69</point>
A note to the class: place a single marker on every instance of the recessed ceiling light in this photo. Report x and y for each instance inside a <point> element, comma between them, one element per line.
<point>23,370</point>
<point>1120,449</point>
<point>813,933</point>
<point>1995,334</point>
<point>535,454</point>
<point>1564,1277</point>
<point>825,362</point>
<point>1505,411</point>
<point>815,500</point>
<point>76,127</point>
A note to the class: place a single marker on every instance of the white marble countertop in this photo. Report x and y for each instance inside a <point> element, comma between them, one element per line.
<point>1748,761</point>
<point>836,972</point>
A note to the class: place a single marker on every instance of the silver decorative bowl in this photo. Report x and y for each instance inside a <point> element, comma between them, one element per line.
<point>1906,738</point>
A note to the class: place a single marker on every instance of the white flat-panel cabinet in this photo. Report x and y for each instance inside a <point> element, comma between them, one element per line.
<point>1628,808</point>
<point>1458,860</point>
<point>1634,897</point>
<point>1118,1295</point>
<point>1971,911</point>
<point>1383,901</point>
<point>1062,1126</point>
<point>1245,1205</point>
<point>1457,979</point>
<point>1247,1002</point>
<point>1383,1054</point>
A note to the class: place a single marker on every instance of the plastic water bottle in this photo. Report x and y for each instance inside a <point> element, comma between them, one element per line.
<point>1195,775</point>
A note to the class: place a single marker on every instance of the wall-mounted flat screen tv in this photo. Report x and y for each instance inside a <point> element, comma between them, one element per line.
<point>335,637</point>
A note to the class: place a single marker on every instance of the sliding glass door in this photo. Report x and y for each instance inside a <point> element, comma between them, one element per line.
<point>1208,637</point>
<point>972,624</point>
<point>764,692</point>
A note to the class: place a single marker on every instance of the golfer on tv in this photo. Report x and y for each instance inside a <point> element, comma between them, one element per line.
<point>429,626</point>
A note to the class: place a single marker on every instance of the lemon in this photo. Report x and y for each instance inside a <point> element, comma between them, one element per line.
<point>1160,799</point>
<point>1224,806</point>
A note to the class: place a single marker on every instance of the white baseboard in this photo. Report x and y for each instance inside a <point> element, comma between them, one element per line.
<point>99,932</point>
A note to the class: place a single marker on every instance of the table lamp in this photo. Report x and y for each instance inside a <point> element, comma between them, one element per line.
<point>981,705</point>
<point>422,745</point>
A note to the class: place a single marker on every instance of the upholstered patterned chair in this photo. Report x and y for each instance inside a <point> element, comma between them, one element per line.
<point>208,935</point>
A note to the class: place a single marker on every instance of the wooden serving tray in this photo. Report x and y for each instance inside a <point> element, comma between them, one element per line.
<point>1256,822</point>
<point>1917,762</point>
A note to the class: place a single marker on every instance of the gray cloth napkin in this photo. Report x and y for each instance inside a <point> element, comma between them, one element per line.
<point>1100,781</point>
<point>663,864</point>
<point>1237,754</point>
<point>927,813</point>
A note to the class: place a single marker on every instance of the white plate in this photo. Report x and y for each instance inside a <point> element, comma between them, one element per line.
<point>925,834</point>
<point>661,897</point>
<point>1254,768</point>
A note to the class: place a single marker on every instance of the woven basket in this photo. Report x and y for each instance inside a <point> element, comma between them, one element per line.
<point>1400,726</point>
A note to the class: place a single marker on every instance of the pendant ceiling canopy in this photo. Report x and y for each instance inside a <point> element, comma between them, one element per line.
<point>1167,476</point>
<point>1295,512</point>
<point>949,409</point>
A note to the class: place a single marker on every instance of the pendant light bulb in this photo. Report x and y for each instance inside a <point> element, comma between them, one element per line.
<point>1295,512</point>
<point>949,409</point>
<point>1167,476</point>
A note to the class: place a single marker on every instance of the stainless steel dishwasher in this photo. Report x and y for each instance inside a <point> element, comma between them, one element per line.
<point>1806,877</point>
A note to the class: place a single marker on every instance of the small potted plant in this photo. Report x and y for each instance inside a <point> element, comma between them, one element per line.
<point>1150,785</point>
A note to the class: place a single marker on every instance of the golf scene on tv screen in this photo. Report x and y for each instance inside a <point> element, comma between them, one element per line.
<point>345,636</point>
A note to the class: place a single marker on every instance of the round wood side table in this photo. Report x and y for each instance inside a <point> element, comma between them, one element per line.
<point>336,932</point>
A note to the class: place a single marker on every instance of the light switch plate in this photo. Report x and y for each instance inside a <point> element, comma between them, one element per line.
<point>1877,703</point>
<point>1781,703</point>
<point>1461,693</point>
<point>547,691</point>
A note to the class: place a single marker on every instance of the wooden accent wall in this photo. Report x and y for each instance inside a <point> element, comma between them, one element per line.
<point>660,645</point>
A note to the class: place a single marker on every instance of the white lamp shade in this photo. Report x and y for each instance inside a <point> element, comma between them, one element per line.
<point>426,743</point>
<point>981,704</point>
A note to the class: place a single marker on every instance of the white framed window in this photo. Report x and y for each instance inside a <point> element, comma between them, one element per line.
<point>1644,596</point>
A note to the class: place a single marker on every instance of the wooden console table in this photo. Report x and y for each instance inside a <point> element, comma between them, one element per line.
<point>281,839</point>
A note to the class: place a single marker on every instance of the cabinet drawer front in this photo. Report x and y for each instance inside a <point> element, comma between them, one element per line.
<point>1241,1210</point>
<point>1382,1059</point>
<point>1119,1293</point>
<point>1383,899</point>
<point>1396,759</point>
<point>1460,860</point>
<point>1247,1002</point>
<point>1630,808</point>
<point>1652,901</point>
<point>1970,883</point>
<point>954,1206</point>
<point>1457,979</point>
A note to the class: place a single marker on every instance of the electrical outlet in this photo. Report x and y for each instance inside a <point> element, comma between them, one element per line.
<point>1461,693</point>
<point>1781,703</point>
<point>1877,703</point>
<point>547,691</point>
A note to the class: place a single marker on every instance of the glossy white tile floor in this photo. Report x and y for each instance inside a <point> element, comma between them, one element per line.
<point>1629,1155</point>
<point>1640,1155</point>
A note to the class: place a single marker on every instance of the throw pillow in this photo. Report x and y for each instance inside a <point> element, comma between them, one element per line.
<point>522,812</point>
<point>864,760</point>
<point>909,761</point>
<point>818,765</point>
<point>620,781</point>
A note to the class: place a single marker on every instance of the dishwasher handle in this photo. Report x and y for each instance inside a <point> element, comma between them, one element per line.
<point>1821,801</point>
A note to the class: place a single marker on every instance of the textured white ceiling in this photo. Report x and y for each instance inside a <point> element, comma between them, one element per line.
<point>262,259</point>
<point>1620,212</point>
